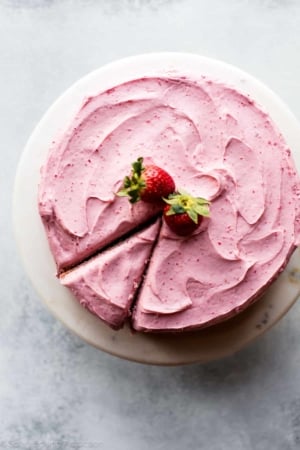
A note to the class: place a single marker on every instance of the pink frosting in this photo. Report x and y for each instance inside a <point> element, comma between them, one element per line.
<point>106,284</point>
<point>216,143</point>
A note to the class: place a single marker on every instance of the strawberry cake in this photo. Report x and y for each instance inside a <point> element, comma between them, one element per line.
<point>120,259</point>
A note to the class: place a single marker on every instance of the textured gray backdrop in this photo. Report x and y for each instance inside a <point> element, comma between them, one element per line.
<point>58,393</point>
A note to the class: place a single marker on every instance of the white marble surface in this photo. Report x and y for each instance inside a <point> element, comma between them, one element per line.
<point>56,392</point>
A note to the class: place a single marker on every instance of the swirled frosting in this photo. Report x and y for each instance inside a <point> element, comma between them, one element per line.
<point>216,143</point>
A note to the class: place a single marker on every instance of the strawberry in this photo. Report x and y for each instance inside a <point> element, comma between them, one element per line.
<point>148,183</point>
<point>184,213</point>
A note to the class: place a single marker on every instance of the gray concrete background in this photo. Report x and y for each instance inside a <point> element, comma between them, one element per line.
<point>58,393</point>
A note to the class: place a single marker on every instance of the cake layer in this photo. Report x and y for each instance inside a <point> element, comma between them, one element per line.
<point>106,284</point>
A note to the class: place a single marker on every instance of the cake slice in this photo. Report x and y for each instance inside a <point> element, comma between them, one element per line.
<point>107,283</point>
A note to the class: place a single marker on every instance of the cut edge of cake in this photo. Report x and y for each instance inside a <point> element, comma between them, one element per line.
<point>107,283</point>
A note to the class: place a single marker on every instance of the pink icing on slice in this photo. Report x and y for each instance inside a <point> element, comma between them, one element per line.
<point>106,284</point>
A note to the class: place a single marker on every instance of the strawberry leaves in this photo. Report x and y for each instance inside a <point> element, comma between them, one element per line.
<point>182,202</point>
<point>134,184</point>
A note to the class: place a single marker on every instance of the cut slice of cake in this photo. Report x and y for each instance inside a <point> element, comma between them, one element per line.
<point>107,283</point>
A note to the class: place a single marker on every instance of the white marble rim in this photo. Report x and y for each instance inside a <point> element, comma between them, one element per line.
<point>203,346</point>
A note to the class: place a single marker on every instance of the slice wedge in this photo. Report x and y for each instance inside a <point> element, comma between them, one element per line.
<point>107,283</point>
